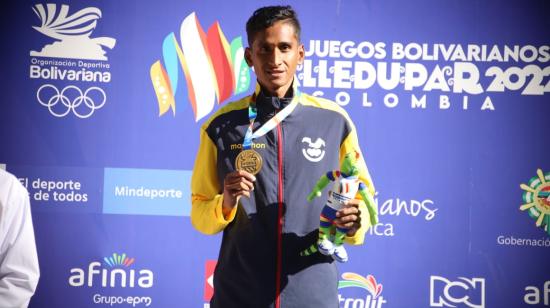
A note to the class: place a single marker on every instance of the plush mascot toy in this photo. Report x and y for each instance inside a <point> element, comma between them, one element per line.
<point>346,186</point>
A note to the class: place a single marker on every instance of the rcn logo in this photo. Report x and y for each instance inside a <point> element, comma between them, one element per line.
<point>71,32</point>
<point>212,67</point>
<point>459,293</point>
<point>355,282</point>
<point>536,199</point>
<point>116,273</point>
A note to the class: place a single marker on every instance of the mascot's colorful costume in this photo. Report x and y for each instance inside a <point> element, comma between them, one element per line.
<point>346,186</point>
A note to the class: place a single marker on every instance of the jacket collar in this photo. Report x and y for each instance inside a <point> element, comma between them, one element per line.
<point>268,105</point>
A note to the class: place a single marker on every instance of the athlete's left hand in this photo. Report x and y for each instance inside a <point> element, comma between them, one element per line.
<point>349,217</point>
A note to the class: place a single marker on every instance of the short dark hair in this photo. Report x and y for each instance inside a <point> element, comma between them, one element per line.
<point>265,17</point>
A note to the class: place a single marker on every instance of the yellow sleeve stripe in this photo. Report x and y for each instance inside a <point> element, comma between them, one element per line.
<point>206,195</point>
<point>236,105</point>
<point>323,103</point>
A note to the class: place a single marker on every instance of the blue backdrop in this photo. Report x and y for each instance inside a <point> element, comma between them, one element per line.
<point>103,100</point>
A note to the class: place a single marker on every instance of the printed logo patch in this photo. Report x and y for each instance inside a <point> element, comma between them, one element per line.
<point>313,151</point>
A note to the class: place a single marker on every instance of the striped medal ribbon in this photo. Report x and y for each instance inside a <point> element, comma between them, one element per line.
<point>248,159</point>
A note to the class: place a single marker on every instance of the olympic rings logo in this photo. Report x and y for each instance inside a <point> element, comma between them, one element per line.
<point>70,99</point>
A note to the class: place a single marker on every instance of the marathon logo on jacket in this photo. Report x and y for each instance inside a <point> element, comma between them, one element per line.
<point>239,146</point>
<point>423,76</point>
<point>74,68</point>
<point>118,272</point>
<point>356,291</point>
<point>462,292</point>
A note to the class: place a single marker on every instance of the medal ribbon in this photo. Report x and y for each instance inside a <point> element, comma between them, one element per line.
<point>273,122</point>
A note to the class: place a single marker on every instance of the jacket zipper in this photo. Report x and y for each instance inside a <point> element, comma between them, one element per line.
<point>280,216</point>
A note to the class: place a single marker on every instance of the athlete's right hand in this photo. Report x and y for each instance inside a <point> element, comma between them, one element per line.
<point>235,185</point>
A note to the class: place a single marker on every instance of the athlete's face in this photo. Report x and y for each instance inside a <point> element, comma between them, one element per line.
<point>274,54</point>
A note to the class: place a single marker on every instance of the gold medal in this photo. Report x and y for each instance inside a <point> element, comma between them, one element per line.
<point>249,161</point>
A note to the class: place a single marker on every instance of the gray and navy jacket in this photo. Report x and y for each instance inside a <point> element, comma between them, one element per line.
<point>259,263</point>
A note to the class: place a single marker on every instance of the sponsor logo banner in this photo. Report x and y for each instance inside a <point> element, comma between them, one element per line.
<point>74,67</point>
<point>537,296</point>
<point>210,266</point>
<point>422,75</point>
<point>147,192</point>
<point>62,189</point>
<point>536,199</point>
<point>462,292</point>
<point>358,291</point>
<point>115,281</point>
<point>421,209</point>
<point>518,241</point>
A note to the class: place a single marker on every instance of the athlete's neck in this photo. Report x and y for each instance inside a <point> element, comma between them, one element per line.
<point>282,92</point>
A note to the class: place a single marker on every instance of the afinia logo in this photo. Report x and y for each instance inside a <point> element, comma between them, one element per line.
<point>118,260</point>
<point>536,296</point>
<point>372,299</point>
<point>536,198</point>
<point>212,68</point>
<point>115,273</point>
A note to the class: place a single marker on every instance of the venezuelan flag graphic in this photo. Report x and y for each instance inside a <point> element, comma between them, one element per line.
<point>213,68</point>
